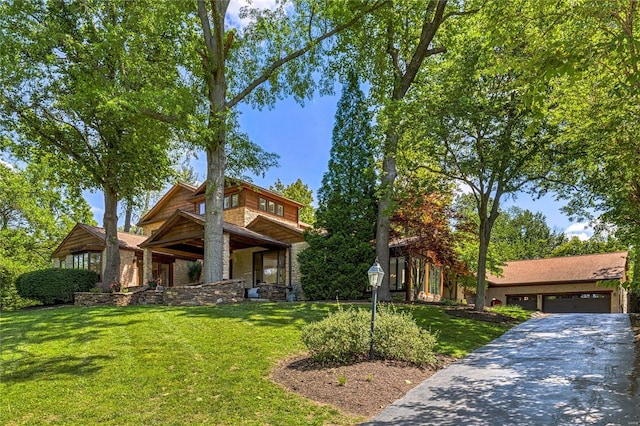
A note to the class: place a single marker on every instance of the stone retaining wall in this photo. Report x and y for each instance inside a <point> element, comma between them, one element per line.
<point>227,291</point>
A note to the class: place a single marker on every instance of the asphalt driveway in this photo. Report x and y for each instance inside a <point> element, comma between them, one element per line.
<point>556,370</point>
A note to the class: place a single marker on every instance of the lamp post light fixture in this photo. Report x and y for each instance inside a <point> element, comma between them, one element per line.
<point>376,273</point>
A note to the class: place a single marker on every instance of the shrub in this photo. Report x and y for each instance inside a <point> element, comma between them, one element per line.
<point>9,298</point>
<point>345,336</point>
<point>397,336</point>
<point>55,285</point>
<point>340,338</point>
<point>195,270</point>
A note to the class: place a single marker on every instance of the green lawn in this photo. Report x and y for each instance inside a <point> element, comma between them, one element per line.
<point>173,365</point>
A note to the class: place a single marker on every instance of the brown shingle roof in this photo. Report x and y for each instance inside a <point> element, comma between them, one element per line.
<point>125,240</point>
<point>585,268</point>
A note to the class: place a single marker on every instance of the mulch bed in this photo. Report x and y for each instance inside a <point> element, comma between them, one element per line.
<point>359,389</point>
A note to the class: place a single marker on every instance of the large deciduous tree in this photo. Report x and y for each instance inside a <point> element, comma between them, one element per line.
<point>340,250</point>
<point>77,78</point>
<point>276,53</point>
<point>390,49</point>
<point>479,131</point>
<point>597,100</point>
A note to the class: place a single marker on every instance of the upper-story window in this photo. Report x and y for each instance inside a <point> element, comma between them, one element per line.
<point>270,206</point>
<point>231,201</point>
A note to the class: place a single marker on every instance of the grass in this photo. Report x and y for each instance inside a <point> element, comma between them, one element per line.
<point>173,365</point>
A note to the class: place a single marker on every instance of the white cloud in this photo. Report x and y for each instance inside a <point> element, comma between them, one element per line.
<point>233,18</point>
<point>583,231</point>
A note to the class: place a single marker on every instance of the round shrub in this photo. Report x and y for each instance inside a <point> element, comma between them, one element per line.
<point>397,336</point>
<point>55,285</point>
<point>345,336</point>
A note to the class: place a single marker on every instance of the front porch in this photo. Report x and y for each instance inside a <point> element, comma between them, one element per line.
<point>250,256</point>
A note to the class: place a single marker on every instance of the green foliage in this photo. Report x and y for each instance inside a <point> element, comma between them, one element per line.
<point>345,336</point>
<point>334,266</point>
<point>342,337</point>
<point>195,270</point>
<point>9,298</point>
<point>55,285</point>
<point>520,234</point>
<point>397,336</point>
<point>593,245</point>
<point>514,311</point>
<point>340,252</point>
<point>180,355</point>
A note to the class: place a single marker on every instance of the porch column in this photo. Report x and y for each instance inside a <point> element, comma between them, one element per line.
<point>226,252</point>
<point>147,260</point>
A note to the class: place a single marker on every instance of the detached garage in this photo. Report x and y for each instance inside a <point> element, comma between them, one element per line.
<point>587,284</point>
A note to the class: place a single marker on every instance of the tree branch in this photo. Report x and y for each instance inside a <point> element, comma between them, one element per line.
<point>268,72</point>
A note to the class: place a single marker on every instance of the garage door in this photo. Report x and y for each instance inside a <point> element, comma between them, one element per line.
<point>577,302</point>
<point>528,302</point>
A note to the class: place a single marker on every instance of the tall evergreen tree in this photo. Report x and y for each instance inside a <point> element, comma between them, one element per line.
<point>340,249</point>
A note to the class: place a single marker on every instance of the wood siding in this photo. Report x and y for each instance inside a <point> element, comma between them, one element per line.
<point>79,241</point>
<point>180,200</point>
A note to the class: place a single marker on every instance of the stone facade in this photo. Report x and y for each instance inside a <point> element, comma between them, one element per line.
<point>181,273</point>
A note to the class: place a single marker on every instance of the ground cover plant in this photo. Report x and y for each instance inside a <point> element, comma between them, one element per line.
<point>175,365</point>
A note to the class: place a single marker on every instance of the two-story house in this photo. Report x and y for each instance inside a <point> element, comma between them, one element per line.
<point>262,237</point>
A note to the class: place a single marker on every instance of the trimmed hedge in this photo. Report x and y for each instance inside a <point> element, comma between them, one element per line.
<point>55,285</point>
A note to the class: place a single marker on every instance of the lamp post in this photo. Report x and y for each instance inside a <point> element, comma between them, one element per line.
<point>375,280</point>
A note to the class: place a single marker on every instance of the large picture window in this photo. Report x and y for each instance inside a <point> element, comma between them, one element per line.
<point>88,260</point>
<point>270,267</point>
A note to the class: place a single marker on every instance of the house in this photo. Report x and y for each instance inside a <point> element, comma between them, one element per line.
<point>411,275</point>
<point>588,283</point>
<point>262,237</point>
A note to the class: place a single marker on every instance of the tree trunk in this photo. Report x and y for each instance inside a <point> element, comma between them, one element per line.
<point>385,204</point>
<point>127,217</point>
<point>213,232</point>
<point>482,265</point>
<point>111,261</point>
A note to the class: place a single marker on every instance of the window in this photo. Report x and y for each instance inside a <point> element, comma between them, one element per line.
<point>88,260</point>
<point>396,273</point>
<point>270,267</point>
<point>270,206</point>
<point>434,279</point>
<point>201,208</point>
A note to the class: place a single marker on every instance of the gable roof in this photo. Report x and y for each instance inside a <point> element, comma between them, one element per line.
<point>568,269</point>
<point>276,229</point>
<point>164,200</point>
<point>94,237</point>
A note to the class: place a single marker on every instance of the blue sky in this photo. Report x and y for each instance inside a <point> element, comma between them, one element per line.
<point>302,138</point>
